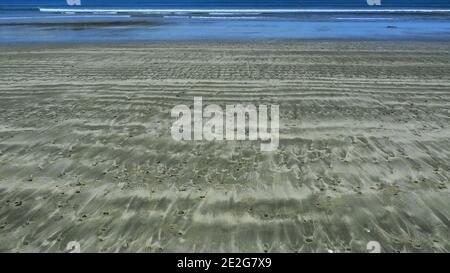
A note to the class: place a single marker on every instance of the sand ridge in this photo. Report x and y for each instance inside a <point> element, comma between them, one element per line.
<point>86,153</point>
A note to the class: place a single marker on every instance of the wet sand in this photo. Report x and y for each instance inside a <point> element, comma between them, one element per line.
<point>82,25</point>
<point>86,153</point>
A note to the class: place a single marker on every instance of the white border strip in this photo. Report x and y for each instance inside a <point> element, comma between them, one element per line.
<point>162,11</point>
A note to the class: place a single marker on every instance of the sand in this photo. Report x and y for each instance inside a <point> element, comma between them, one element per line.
<point>86,153</point>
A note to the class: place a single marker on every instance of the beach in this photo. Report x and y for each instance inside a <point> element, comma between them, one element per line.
<point>86,153</point>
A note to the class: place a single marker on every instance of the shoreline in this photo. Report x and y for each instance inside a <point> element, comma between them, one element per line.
<point>396,43</point>
<point>82,25</point>
<point>205,30</point>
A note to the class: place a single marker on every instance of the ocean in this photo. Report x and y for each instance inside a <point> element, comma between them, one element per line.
<point>48,21</point>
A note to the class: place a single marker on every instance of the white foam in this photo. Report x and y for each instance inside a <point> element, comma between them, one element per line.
<point>233,13</point>
<point>63,16</point>
<point>363,19</point>
<point>240,11</point>
<point>226,17</point>
<point>176,16</point>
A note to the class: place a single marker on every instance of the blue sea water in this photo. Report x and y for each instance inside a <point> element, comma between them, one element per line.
<point>25,21</point>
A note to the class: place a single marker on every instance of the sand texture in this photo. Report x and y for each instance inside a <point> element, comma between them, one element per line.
<point>86,153</point>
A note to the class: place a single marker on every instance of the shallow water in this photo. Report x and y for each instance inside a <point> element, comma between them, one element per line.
<point>222,20</point>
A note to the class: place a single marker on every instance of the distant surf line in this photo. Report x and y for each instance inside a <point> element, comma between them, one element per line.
<point>215,17</point>
<point>241,11</point>
<point>362,19</point>
<point>69,16</point>
<point>225,17</point>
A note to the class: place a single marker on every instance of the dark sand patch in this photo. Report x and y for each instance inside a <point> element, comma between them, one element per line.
<point>83,25</point>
